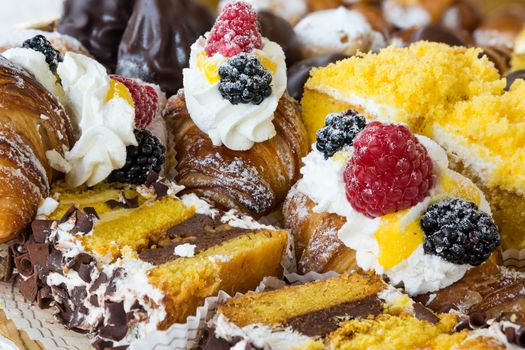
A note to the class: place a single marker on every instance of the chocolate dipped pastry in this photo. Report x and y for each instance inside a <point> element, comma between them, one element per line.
<point>277,29</point>
<point>239,138</point>
<point>346,312</point>
<point>98,25</point>
<point>299,73</point>
<point>121,261</point>
<point>156,44</point>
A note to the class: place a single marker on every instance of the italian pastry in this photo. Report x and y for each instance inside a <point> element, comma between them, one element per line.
<point>119,261</point>
<point>350,312</point>
<point>292,10</point>
<point>100,34</point>
<point>32,124</point>
<point>409,13</point>
<point>501,28</point>
<point>155,46</point>
<point>454,115</point>
<point>338,30</point>
<point>13,38</point>
<point>239,137</point>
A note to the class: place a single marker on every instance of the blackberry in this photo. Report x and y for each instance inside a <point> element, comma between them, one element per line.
<point>457,231</point>
<point>339,131</point>
<point>140,160</point>
<point>40,44</point>
<point>244,80</point>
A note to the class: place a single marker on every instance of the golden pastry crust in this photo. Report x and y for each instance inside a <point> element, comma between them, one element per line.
<point>32,122</point>
<point>254,181</point>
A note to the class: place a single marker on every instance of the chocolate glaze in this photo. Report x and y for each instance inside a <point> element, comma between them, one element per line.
<point>98,25</point>
<point>512,77</point>
<point>156,44</point>
<point>277,29</point>
<point>200,230</point>
<point>322,322</point>
<point>299,73</point>
<point>437,34</point>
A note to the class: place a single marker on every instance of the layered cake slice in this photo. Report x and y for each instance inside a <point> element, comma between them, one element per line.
<point>347,312</point>
<point>120,261</point>
<point>454,95</point>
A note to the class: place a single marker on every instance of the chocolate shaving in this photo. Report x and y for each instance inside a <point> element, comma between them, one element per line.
<point>41,230</point>
<point>116,328</point>
<point>112,285</point>
<point>151,178</point>
<point>24,265</point>
<point>80,259</point>
<point>101,344</point>
<point>44,297</point>
<point>78,297</point>
<point>477,320</point>
<point>101,279</point>
<point>84,272</point>
<point>424,314</point>
<point>83,224</point>
<point>67,214</point>
<point>90,211</point>
<point>9,265</point>
<point>54,262</point>
<point>161,190</point>
<point>29,288</point>
<point>61,292</point>
<point>93,299</point>
<point>128,203</point>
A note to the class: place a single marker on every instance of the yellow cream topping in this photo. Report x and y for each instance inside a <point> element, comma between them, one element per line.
<point>119,90</point>
<point>209,66</point>
<point>397,242</point>
<point>460,187</point>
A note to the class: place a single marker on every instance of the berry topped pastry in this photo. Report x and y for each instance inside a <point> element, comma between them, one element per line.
<point>239,137</point>
<point>107,113</point>
<point>394,204</point>
<point>235,80</point>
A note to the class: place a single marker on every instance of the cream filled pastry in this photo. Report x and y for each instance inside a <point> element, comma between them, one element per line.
<point>405,213</point>
<point>235,80</point>
<point>337,31</point>
<point>120,132</point>
<point>291,10</point>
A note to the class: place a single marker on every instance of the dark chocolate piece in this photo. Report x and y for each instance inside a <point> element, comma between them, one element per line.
<point>9,265</point>
<point>424,314</point>
<point>322,322</point>
<point>156,44</point>
<point>72,209</point>
<point>101,344</point>
<point>299,73</point>
<point>98,25</point>
<point>151,178</point>
<point>41,230</point>
<point>512,77</point>
<point>437,34</point>
<point>93,299</point>
<point>116,327</point>
<point>83,224</point>
<point>29,288</point>
<point>200,230</point>
<point>277,29</point>
<point>101,279</point>
<point>128,203</point>
<point>24,265</point>
<point>477,320</point>
<point>54,262</point>
<point>501,58</point>
<point>91,212</point>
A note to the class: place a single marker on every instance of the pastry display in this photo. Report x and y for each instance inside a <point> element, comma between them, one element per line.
<point>167,256</point>
<point>239,136</point>
<point>352,312</point>
<point>455,114</point>
<point>262,174</point>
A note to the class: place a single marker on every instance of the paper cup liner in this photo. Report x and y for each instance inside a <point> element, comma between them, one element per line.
<point>514,258</point>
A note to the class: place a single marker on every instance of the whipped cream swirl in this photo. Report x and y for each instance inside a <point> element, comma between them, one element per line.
<point>106,126</point>
<point>240,126</point>
<point>420,273</point>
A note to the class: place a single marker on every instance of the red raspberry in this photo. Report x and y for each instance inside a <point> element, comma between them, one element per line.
<point>236,30</point>
<point>144,97</point>
<point>389,170</point>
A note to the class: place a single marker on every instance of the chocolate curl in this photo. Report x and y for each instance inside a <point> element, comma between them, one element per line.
<point>477,320</point>
<point>116,325</point>
<point>44,298</point>
<point>9,265</point>
<point>38,253</point>
<point>24,265</point>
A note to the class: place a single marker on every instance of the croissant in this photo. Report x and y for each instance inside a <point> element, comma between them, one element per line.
<point>488,289</point>
<point>253,181</point>
<point>32,123</point>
